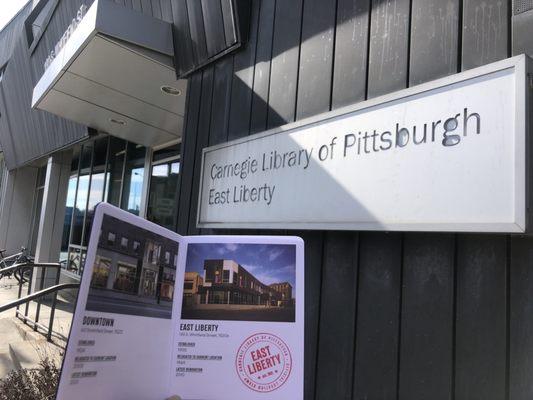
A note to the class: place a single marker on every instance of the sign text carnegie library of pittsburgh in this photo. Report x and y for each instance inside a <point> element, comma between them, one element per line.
<point>445,132</point>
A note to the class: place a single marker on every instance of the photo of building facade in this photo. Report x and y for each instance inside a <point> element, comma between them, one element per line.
<point>134,271</point>
<point>123,116</point>
<point>223,289</point>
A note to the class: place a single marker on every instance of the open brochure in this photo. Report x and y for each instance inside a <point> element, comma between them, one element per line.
<point>201,317</point>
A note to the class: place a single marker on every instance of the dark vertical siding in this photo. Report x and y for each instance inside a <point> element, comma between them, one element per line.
<point>521,323</point>
<point>284,65</point>
<point>388,316</point>
<point>389,42</point>
<point>427,318</point>
<point>481,317</point>
<point>434,33</point>
<point>351,52</point>
<point>378,314</point>
<point>485,32</point>
<point>334,371</point>
<point>316,55</point>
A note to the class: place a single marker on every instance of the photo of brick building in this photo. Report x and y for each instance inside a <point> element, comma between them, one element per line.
<point>225,289</point>
<point>134,271</point>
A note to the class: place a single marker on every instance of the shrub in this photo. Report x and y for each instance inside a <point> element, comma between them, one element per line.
<point>31,384</point>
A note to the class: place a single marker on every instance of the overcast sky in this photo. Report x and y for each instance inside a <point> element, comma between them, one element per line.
<point>8,8</point>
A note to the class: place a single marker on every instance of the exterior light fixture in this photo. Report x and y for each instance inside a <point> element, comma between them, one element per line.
<point>172,91</point>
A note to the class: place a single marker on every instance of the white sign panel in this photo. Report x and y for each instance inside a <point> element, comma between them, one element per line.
<point>448,155</point>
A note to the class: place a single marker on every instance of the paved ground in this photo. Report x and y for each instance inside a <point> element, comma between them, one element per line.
<point>63,313</point>
<point>20,345</point>
<point>263,314</point>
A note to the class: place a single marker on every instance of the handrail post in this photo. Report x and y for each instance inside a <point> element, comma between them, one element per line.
<point>53,309</point>
<point>20,292</point>
<point>29,290</point>
<point>41,286</point>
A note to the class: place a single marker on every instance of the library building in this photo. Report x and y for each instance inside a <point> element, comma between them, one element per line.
<point>391,135</point>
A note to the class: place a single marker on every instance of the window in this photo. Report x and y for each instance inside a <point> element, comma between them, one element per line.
<point>188,285</point>
<point>99,172</point>
<point>136,246</point>
<point>101,269</point>
<point>162,197</point>
<point>124,242</point>
<point>115,166</point>
<point>125,280</point>
<point>167,257</point>
<point>148,283</point>
<point>111,238</point>
<point>133,178</point>
<point>82,194</point>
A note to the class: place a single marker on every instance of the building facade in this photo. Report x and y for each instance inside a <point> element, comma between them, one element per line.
<point>226,282</point>
<point>397,315</point>
<point>131,261</point>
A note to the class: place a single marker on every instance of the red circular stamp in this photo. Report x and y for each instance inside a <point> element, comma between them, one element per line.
<point>263,362</point>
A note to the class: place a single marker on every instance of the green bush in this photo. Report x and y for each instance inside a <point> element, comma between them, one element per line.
<point>31,384</point>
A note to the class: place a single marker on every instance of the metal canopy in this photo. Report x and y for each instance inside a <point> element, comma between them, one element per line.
<point>115,73</point>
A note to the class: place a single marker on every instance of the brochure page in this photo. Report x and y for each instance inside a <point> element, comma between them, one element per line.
<point>120,337</point>
<point>201,317</point>
<point>241,333</point>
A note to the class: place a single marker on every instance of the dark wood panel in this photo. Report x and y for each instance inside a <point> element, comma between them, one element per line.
<point>316,57</point>
<point>202,140</point>
<point>284,66</point>
<point>485,32</point>
<point>214,27</point>
<point>146,7</point>
<point>221,101</point>
<point>196,23</point>
<point>389,37</point>
<point>183,44</point>
<point>230,29</point>
<point>136,5</point>
<point>481,322</point>
<point>351,52</point>
<point>166,15</point>
<point>313,279</point>
<point>378,316</point>
<point>434,39</point>
<point>188,152</point>
<point>521,321</point>
<point>334,373</point>
<point>156,9</point>
<point>261,85</point>
<point>427,315</point>
<point>243,81</point>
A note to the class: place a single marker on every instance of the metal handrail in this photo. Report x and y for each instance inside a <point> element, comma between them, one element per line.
<point>37,295</point>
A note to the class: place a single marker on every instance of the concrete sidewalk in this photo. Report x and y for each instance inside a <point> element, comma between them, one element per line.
<point>20,345</point>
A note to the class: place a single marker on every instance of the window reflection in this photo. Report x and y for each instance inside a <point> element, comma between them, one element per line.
<point>117,152</point>
<point>162,200</point>
<point>82,195</point>
<point>133,178</point>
